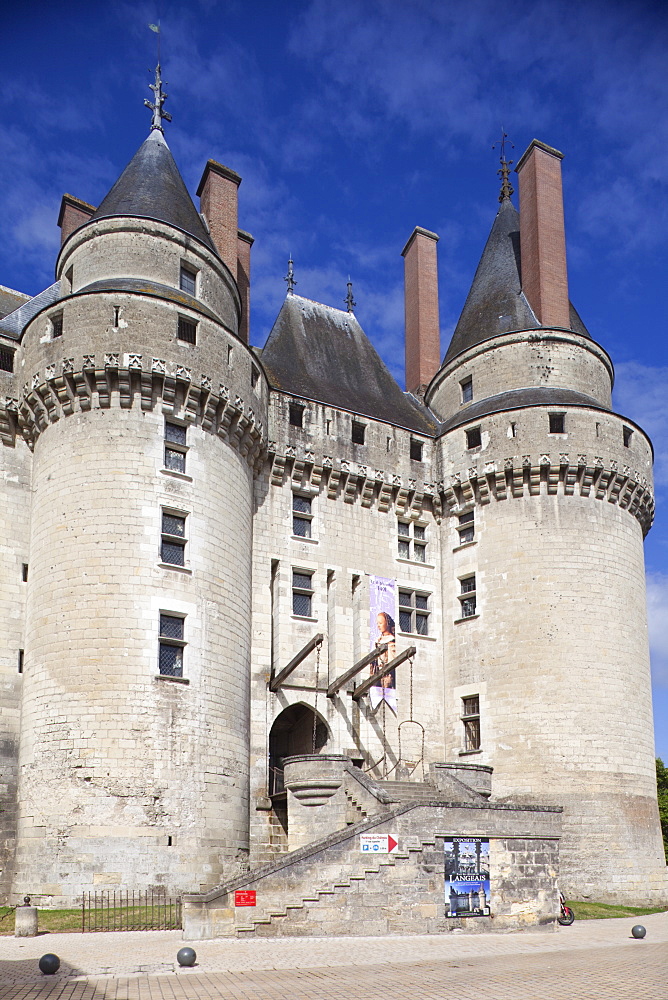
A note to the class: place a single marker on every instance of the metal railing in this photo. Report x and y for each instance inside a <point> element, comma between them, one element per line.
<point>129,910</point>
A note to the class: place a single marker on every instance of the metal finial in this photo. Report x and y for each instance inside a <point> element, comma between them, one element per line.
<point>290,277</point>
<point>504,173</point>
<point>349,300</point>
<point>159,99</point>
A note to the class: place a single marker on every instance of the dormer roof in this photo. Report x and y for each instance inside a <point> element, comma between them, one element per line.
<point>151,187</point>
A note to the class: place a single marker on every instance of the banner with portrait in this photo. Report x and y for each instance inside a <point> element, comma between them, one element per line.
<point>382,603</point>
<point>467,886</point>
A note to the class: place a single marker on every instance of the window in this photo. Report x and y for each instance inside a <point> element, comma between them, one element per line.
<point>301,516</point>
<point>297,414</point>
<point>188,280</point>
<point>171,644</point>
<point>21,659</point>
<point>358,432</point>
<point>57,325</point>
<point>24,572</point>
<point>255,375</point>
<point>628,434</point>
<point>187,331</point>
<point>512,430</point>
<point>473,438</point>
<point>557,423</point>
<point>6,360</point>
<point>175,447</point>
<point>173,539</point>
<point>471,721</point>
<point>412,541</point>
<point>413,612</point>
<point>466,527</point>
<point>416,450</point>
<point>467,597</point>
<point>302,593</point>
<point>467,389</point>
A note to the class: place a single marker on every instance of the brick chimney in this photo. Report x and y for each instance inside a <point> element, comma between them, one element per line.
<point>244,243</point>
<point>218,191</point>
<point>73,213</point>
<point>542,235</point>
<point>423,335</point>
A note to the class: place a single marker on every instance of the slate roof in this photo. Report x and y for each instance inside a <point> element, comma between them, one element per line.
<point>518,399</point>
<point>323,354</point>
<point>11,300</point>
<point>12,325</point>
<point>142,286</point>
<point>496,303</point>
<point>151,187</point>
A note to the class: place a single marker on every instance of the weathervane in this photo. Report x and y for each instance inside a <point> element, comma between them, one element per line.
<point>504,173</point>
<point>159,97</point>
<point>349,300</point>
<point>290,277</point>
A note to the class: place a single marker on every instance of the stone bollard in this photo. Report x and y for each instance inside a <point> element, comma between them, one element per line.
<point>25,922</point>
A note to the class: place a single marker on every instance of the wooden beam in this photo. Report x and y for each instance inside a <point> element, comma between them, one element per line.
<point>276,682</point>
<point>344,678</point>
<point>375,678</point>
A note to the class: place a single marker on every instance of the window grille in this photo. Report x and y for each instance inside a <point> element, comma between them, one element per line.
<point>412,541</point>
<point>170,646</point>
<point>6,360</point>
<point>413,612</point>
<point>57,325</point>
<point>466,527</point>
<point>172,544</point>
<point>175,447</point>
<point>302,516</point>
<point>467,597</point>
<point>188,280</point>
<point>471,722</point>
<point>187,331</point>
<point>302,593</point>
<point>557,423</point>
<point>473,438</point>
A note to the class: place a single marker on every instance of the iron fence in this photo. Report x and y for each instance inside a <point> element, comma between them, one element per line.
<point>128,910</point>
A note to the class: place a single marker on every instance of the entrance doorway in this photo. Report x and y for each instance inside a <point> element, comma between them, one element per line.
<point>292,733</point>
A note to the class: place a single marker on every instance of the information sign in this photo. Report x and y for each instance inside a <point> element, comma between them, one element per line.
<point>244,897</point>
<point>377,843</point>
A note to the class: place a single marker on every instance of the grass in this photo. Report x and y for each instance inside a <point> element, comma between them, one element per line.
<point>603,911</point>
<point>64,921</point>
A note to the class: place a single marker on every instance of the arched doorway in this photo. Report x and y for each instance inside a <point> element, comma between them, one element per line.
<point>291,733</point>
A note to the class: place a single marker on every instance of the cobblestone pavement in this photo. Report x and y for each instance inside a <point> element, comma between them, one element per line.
<point>593,960</point>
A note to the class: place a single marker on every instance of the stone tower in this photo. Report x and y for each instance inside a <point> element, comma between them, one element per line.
<point>144,413</point>
<point>554,489</point>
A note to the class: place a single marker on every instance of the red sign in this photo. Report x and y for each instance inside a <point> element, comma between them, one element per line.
<point>244,897</point>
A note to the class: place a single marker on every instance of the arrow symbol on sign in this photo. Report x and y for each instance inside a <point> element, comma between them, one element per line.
<point>391,844</point>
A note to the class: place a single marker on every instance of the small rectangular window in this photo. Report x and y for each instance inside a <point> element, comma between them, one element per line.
<point>24,572</point>
<point>416,450</point>
<point>471,721</point>
<point>413,612</point>
<point>255,375</point>
<point>302,516</point>
<point>170,646</point>
<point>358,432</point>
<point>628,434</point>
<point>467,597</point>
<point>412,541</point>
<point>302,593</point>
<point>557,423</point>
<point>173,539</point>
<point>473,438</point>
<point>20,663</point>
<point>175,447</point>
<point>296,415</point>
<point>466,527</point>
<point>188,280</point>
<point>467,389</point>
<point>187,331</point>
<point>6,360</point>
<point>57,325</point>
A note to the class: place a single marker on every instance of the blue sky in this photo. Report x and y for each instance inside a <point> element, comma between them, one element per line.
<point>352,122</point>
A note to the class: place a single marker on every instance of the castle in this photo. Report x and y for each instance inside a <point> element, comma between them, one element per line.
<point>201,540</point>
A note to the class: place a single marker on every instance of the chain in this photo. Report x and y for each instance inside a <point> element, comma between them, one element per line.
<point>317,685</point>
<point>411,691</point>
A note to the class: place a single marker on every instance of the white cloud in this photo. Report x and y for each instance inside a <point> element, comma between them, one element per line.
<point>657,612</point>
<point>641,393</point>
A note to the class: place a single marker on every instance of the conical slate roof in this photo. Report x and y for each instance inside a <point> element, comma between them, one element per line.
<point>496,303</point>
<point>151,187</point>
<point>321,353</point>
